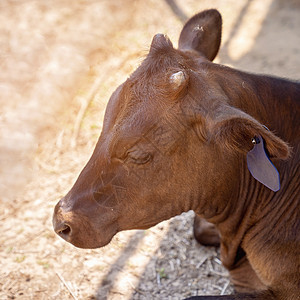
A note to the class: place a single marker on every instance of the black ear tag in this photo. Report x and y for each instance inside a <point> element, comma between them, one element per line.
<point>261,167</point>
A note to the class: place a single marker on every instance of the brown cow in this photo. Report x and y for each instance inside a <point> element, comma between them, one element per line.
<point>177,136</point>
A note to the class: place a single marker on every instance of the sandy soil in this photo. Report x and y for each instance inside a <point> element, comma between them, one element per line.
<point>59,62</point>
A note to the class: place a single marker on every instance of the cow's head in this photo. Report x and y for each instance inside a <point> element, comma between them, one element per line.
<point>166,132</point>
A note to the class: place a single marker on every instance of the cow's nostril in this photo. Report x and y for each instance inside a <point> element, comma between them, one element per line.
<point>64,230</point>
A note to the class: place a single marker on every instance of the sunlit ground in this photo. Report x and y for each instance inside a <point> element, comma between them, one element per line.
<point>60,61</point>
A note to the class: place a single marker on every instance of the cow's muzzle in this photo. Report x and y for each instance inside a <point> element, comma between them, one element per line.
<point>60,222</point>
<point>91,228</point>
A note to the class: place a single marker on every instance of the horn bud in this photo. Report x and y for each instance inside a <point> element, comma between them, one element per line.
<point>177,79</point>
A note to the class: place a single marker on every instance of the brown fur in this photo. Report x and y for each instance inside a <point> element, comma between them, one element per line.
<point>167,149</point>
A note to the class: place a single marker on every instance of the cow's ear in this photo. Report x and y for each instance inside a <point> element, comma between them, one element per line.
<point>238,132</point>
<point>202,33</point>
<point>160,43</point>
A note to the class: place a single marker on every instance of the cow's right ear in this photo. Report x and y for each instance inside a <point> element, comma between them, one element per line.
<point>202,33</point>
<point>237,133</point>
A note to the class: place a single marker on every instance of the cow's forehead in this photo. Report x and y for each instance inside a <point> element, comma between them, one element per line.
<point>158,62</point>
<point>148,82</point>
<point>142,98</point>
<point>127,110</point>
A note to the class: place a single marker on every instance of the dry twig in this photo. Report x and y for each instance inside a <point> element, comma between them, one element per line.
<point>85,102</point>
<point>225,287</point>
<point>66,285</point>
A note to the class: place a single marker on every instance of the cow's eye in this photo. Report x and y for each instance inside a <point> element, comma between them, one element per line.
<point>139,157</point>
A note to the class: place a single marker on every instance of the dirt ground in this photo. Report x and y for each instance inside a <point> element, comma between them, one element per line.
<point>60,61</point>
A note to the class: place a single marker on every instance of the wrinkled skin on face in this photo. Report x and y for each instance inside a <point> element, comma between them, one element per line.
<point>146,158</point>
<point>161,151</point>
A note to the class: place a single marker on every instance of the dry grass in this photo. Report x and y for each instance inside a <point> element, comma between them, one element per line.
<point>60,61</point>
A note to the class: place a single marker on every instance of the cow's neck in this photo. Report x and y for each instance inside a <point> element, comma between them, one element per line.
<point>250,201</point>
<point>274,102</point>
<point>246,205</point>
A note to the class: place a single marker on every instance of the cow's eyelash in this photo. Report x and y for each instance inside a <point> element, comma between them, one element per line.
<point>138,157</point>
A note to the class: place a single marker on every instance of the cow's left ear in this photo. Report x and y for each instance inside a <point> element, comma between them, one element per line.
<point>238,132</point>
<point>160,44</point>
<point>202,33</point>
